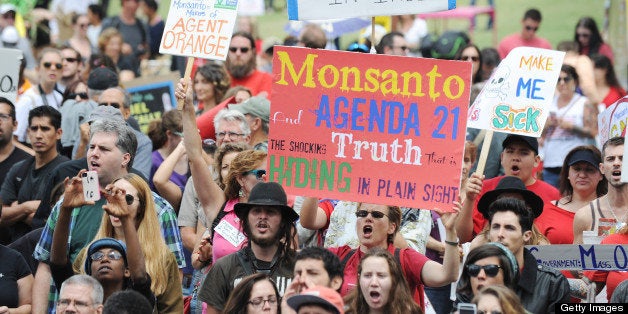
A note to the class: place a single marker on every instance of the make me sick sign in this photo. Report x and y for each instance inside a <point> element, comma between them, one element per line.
<point>368,128</point>
<point>517,96</point>
<point>199,28</point>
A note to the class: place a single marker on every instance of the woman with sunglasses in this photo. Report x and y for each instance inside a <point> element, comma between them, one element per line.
<point>498,299</point>
<point>129,198</point>
<point>486,265</point>
<point>471,53</point>
<point>572,122</point>
<point>589,39</point>
<point>169,171</point>
<point>376,227</point>
<point>117,265</point>
<point>381,286</point>
<point>256,293</point>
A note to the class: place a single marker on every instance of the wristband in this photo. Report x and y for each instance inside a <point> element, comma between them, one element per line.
<point>452,243</point>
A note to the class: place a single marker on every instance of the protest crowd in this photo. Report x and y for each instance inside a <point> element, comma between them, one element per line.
<point>185,218</point>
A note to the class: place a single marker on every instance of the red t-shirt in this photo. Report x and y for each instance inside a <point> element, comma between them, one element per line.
<point>257,82</point>
<point>544,190</point>
<point>613,95</point>
<point>611,278</point>
<point>412,263</point>
<point>556,224</point>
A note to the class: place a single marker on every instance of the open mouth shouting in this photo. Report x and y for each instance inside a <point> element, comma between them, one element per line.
<point>367,231</point>
<point>262,226</point>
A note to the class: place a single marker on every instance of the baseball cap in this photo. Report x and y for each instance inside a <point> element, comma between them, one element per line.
<point>102,78</point>
<point>6,8</point>
<point>532,142</point>
<point>326,297</point>
<point>104,112</point>
<point>256,106</point>
<point>584,155</point>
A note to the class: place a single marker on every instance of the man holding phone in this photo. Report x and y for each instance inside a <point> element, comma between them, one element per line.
<point>22,189</point>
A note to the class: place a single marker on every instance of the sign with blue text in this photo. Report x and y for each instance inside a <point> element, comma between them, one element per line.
<point>582,256</point>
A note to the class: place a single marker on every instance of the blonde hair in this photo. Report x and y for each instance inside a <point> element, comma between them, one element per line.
<point>105,37</point>
<point>148,231</point>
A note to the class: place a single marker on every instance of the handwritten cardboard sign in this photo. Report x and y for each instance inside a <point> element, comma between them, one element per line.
<point>10,76</point>
<point>333,9</point>
<point>517,96</point>
<point>199,28</point>
<point>612,121</point>
<point>582,256</point>
<point>368,128</point>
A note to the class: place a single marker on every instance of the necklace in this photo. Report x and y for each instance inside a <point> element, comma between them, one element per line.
<point>618,223</point>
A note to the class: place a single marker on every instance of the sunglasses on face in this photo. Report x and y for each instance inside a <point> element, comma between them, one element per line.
<point>72,60</point>
<point>375,214</point>
<point>112,255</point>
<point>47,65</point>
<point>129,199</point>
<point>259,173</point>
<point>565,79</point>
<point>242,49</point>
<point>81,95</point>
<point>472,58</point>
<point>531,28</point>
<point>112,104</point>
<point>490,270</point>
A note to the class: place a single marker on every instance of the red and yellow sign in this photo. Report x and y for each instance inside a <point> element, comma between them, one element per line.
<point>369,128</point>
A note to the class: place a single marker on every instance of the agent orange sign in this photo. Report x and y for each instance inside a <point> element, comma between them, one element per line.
<point>369,128</point>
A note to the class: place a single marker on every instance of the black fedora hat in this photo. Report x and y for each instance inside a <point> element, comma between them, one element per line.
<point>267,194</point>
<point>511,184</point>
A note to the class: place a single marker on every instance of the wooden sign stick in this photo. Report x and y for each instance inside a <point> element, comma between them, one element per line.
<point>188,73</point>
<point>488,138</point>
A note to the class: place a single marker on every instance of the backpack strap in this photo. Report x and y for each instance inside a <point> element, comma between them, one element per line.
<point>221,214</point>
<point>346,258</point>
<point>244,261</point>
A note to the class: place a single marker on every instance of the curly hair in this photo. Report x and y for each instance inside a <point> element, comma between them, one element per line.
<point>243,162</point>
<point>399,297</point>
<point>217,75</point>
<point>105,37</point>
<point>225,149</point>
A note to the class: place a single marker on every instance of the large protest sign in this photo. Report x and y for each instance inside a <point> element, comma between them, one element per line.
<point>10,76</point>
<point>516,98</point>
<point>199,28</point>
<point>150,98</point>
<point>370,128</point>
<point>612,121</point>
<point>582,256</point>
<point>333,9</point>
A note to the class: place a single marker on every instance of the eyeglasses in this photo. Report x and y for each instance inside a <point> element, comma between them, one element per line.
<point>242,49</point>
<point>583,35</point>
<point>71,59</point>
<point>472,58</point>
<point>375,214</point>
<point>5,117</point>
<point>81,95</point>
<point>112,104</point>
<point>259,173</point>
<point>489,312</point>
<point>531,28</point>
<point>565,79</point>
<point>47,65</point>
<point>490,270</point>
<point>221,135</point>
<point>80,305</point>
<point>112,255</point>
<point>259,302</point>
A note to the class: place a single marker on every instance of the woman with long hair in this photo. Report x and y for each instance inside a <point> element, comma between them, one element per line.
<point>169,171</point>
<point>110,44</point>
<point>580,183</point>
<point>471,53</point>
<point>161,264</point>
<point>381,286</point>
<point>486,265</point>
<point>256,293</point>
<point>572,122</point>
<point>589,39</point>
<point>606,80</point>
<point>211,82</point>
<point>498,299</point>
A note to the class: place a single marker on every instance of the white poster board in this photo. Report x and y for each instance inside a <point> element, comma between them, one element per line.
<point>582,256</point>
<point>612,121</point>
<point>517,96</point>
<point>303,10</point>
<point>199,28</point>
<point>250,7</point>
<point>10,74</point>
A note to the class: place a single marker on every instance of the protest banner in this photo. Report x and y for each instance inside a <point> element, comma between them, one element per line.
<point>369,128</point>
<point>150,98</point>
<point>582,256</point>
<point>517,96</point>
<point>303,10</point>
<point>10,60</point>
<point>612,121</point>
<point>199,28</point>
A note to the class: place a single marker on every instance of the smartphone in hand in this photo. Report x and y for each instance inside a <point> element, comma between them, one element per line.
<point>91,188</point>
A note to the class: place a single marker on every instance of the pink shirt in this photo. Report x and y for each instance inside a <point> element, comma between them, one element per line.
<point>513,41</point>
<point>222,246</point>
